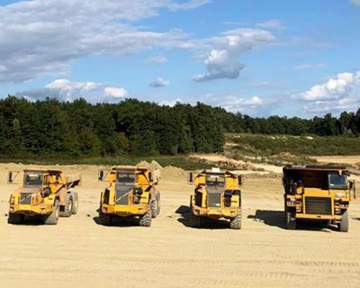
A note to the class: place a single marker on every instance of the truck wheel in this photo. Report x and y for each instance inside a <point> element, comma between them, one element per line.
<point>68,207</point>
<point>344,224</point>
<point>158,208</point>
<point>153,208</point>
<point>53,218</point>
<point>158,203</point>
<point>75,206</point>
<point>106,220</point>
<point>235,223</point>
<point>145,220</point>
<point>15,218</point>
<point>194,221</point>
<point>290,221</point>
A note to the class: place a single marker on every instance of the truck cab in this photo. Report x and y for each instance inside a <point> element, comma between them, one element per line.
<point>44,193</point>
<point>216,196</point>
<point>317,193</point>
<point>131,192</point>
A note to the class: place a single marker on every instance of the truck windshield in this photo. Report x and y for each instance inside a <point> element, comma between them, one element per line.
<point>337,181</point>
<point>126,178</point>
<point>215,181</point>
<point>33,179</point>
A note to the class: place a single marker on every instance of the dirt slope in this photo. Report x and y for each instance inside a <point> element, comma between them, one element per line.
<point>80,253</point>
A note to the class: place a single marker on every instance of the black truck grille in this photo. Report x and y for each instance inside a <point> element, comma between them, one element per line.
<point>214,200</point>
<point>318,205</point>
<point>25,198</point>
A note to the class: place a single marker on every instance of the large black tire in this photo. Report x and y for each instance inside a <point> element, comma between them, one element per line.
<point>106,220</point>
<point>154,208</point>
<point>145,220</point>
<point>194,221</point>
<point>15,219</point>
<point>75,207</point>
<point>69,203</point>
<point>235,223</point>
<point>53,218</point>
<point>158,203</point>
<point>290,220</point>
<point>344,223</point>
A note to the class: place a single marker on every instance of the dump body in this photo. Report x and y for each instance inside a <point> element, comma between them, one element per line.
<point>131,192</point>
<point>42,193</point>
<point>316,193</point>
<point>216,195</point>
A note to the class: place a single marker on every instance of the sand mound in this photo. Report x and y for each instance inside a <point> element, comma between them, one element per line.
<point>171,171</point>
<point>156,165</point>
<point>153,165</point>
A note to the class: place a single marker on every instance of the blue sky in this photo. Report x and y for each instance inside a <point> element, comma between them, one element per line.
<point>250,56</point>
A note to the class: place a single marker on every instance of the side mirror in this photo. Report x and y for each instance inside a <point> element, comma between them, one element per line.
<point>101,175</point>
<point>239,180</point>
<point>190,178</point>
<point>10,177</point>
<point>150,177</point>
<point>352,188</point>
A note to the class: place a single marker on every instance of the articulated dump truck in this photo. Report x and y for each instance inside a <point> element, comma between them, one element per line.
<point>131,193</point>
<point>317,193</point>
<point>216,196</point>
<point>44,194</point>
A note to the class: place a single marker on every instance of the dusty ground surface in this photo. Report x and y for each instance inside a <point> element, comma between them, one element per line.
<point>80,253</point>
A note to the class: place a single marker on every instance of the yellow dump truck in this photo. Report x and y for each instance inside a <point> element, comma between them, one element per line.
<point>46,194</point>
<point>318,193</point>
<point>131,192</point>
<point>216,196</point>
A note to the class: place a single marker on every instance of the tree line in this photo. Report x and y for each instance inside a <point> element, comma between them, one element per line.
<point>80,129</point>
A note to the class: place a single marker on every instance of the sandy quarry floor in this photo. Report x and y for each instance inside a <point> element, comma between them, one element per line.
<point>80,253</point>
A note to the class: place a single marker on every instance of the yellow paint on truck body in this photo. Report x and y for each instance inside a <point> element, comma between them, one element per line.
<point>146,180</point>
<point>228,207</point>
<point>39,199</point>
<point>297,191</point>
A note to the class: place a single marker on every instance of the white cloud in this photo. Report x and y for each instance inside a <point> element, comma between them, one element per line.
<point>340,93</point>
<point>271,24</point>
<point>222,61</point>
<point>308,66</point>
<point>66,85</point>
<point>159,59</point>
<point>355,2</point>
<point>341,86</point>
<point>65,90</point>
<point>159,82</point>
<point>333,106</point>
<point>115,92</point>
<point>188,5</point>
<point>233,103</point>
<point>253,102</point>
<point>41,37</point>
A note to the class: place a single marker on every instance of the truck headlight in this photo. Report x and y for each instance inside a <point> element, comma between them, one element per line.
<point>340,195</point>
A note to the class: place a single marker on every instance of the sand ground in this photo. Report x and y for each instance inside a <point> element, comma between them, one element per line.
<point>80,253</point>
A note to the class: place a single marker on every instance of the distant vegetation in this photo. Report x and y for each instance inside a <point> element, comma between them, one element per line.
<point>265,145</point>
<point>79,130</point>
